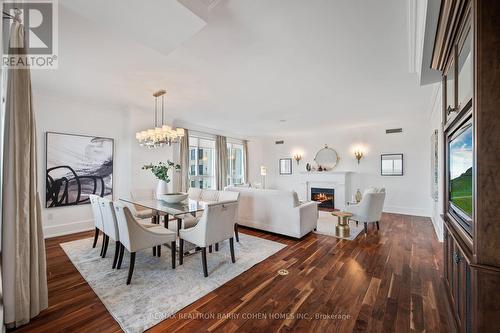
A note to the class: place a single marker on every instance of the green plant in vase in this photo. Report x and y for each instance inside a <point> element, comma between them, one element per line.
<point>161,172</point>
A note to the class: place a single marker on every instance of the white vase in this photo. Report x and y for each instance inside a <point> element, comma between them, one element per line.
<point>161,188</point>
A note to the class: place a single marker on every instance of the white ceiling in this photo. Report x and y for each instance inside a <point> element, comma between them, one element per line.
<point>315,63</point>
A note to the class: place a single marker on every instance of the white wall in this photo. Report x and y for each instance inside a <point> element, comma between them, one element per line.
<point>435,123</point>
<point>408,194</point>
<point>67,115</point>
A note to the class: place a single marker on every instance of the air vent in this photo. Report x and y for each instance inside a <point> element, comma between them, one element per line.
<point>393,130</point>
<point>279,142</point>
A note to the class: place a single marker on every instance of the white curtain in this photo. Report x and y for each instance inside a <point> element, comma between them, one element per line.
<point>245,162</point>
<point>184,161</point>
<point>23,246</point>
<point>221,161</point>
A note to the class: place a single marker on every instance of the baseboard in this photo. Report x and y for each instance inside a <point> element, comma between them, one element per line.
<point>437,229</point>
<point>407,211</point>
<point>68,228</point>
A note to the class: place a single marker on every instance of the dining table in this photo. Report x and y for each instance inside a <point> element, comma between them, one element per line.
<point>175,210</point>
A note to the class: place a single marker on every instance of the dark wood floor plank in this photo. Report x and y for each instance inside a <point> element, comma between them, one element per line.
<point>386,281</point>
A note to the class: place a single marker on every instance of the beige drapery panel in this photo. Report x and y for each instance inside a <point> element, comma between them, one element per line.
<point>23,246</point>
<point>184,161</point>
<point>221,161</point>
<point>245,162</point>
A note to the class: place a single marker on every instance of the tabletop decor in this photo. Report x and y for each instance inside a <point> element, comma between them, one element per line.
<point>161,171</point>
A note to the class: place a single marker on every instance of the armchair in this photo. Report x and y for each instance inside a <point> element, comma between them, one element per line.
<point>369,209</point>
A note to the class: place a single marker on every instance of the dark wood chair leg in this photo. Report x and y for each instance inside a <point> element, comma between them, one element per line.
<point>103,243</point>
<point>204,261</point>
<point>158,250</point>
<point>378,227</point>
<point>366,228</point>
<point>154,250</point>
<point>210,249</point>
<point>105,249</point>
<point>357,223</point>
<point>131,267</point>
<point>96,236</point>
<point>181,251</point>
<point>117,254</point>
<point>165,221</point>
<point>231,247</point>
<point>172,248</point>
<point>120,259</point>
<point>236,234</point>
<point>216,246</point>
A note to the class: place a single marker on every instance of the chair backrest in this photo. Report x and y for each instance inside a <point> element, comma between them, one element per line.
<point>209,195</point>
<point>217,222</point>
<point>109,218</point>
<point>194,193</point>
<point>139,194</point>
<point>129,229</point>
<point>96,211</point>
<point>371,206</point>
<point>228,196</point>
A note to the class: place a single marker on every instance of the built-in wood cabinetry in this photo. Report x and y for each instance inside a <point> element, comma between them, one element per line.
<point>467,52</point>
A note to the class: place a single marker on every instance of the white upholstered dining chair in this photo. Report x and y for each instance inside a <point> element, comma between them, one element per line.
<point>134,237</point>
<point>215,225</point>
<point>96,212</point>
<point>110,227</point>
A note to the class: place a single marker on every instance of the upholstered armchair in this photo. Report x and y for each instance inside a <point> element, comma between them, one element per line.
<point>134,237</point>
<point>369,209</point>
<point>215,225</point>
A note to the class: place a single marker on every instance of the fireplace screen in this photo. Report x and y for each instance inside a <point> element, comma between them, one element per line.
<point>325,197</point>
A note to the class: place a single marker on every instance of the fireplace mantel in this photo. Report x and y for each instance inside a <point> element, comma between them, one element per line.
<point>338,180</point>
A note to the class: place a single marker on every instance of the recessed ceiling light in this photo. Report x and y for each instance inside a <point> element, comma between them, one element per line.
<point>282,120</point>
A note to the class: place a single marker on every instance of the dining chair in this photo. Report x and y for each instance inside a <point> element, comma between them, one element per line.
<point>110,227</point>
<point>134,237</point>
<point>231,196</point>
<point>215,225</point>
<point>98,223</point>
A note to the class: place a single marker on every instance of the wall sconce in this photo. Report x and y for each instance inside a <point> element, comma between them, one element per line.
<point>297,157</point>
<point>358,153</point>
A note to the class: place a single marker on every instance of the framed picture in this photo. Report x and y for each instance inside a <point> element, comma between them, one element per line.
<point>77,166</point>
<point>391,164</point>
<point>285,166</point>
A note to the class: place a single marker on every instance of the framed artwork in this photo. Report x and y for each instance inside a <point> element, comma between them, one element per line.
<point>77,166</point>
<point>434,166</point>
<point>285,166</point>
<point>391,164</point>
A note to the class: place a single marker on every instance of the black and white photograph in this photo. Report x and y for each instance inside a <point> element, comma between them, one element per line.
<point>77,166</point>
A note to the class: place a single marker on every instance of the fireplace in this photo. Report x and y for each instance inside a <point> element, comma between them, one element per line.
<point>325,196</point>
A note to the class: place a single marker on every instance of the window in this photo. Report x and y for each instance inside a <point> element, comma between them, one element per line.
<point>202,162</point>
<point>235,163</point>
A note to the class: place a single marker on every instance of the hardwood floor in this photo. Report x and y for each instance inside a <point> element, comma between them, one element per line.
<point>389,280</point>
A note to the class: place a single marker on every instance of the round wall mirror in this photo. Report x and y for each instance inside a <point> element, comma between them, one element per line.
<point>326,158</point>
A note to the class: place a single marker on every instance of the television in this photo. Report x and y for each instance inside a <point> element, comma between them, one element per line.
<point>460,175</point>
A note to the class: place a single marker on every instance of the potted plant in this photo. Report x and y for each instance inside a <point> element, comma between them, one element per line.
<point>161,171</point>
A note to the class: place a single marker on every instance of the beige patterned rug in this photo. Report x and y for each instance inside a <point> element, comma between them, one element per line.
<point>157,291</point>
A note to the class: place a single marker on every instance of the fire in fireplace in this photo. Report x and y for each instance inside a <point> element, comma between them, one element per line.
<point>325,197</point>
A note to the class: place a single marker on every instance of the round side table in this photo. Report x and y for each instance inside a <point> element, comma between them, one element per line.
<point>342,228</point>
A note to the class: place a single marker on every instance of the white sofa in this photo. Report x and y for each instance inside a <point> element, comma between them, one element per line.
<point>276,211</point>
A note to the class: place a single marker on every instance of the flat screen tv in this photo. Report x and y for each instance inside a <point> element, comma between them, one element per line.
<point>460,175</point>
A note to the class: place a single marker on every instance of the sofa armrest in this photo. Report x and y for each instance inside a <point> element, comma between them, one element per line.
<point>308,213</point>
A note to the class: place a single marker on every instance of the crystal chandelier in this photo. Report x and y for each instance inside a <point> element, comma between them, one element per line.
<point>161,134</point>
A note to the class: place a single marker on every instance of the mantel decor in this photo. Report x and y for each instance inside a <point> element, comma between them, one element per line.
<point>326,159</point>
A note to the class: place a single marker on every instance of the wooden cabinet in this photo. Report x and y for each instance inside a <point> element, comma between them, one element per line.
<point>467,52</point>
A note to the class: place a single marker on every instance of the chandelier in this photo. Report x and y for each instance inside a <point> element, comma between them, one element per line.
<point>161,134</point>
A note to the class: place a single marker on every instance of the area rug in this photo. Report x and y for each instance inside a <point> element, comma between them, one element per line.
<point>157,291</point>
<point>327,223</point>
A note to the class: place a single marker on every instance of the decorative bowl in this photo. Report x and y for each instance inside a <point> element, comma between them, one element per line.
<point>174,197</point>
